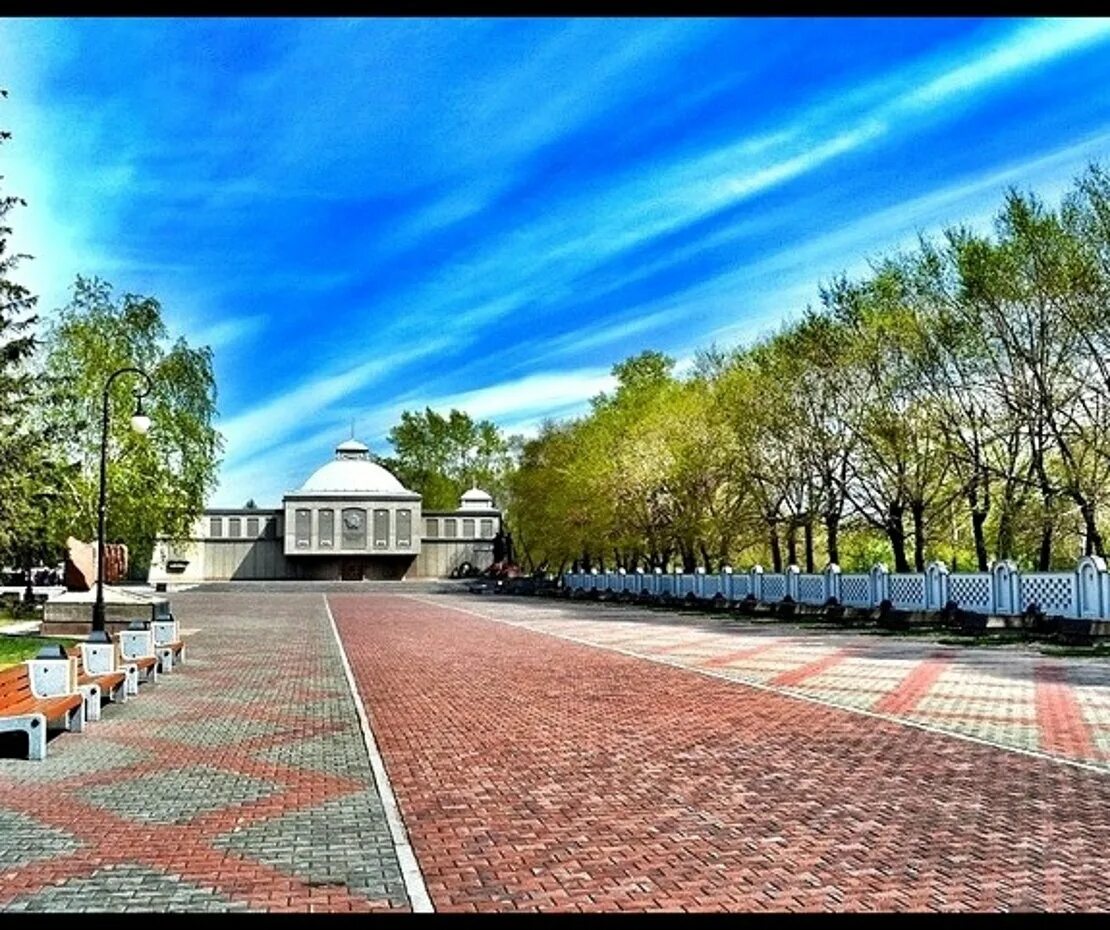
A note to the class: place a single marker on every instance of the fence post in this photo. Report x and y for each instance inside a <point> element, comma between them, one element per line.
<point>936,586</point>
<point>699,583</point>
<point>726,582</point>
<point>639,586</point>
<point>832,581</point>
<point>879,584</point>
<point>792,572</point>
<point>756,575</point>
<point>656,585</point>
<point>1090,587</point>
<point>1005,587</point>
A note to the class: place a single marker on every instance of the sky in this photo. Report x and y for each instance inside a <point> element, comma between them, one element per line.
<point>363,217</point>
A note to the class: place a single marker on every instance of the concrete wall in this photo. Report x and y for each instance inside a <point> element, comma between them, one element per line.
<point>264,557</point>
<point>439,557</point>
<point>244,559</point>
<point>339,542</point>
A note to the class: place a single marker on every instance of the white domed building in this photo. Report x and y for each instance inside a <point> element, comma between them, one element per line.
<point>350,520</point>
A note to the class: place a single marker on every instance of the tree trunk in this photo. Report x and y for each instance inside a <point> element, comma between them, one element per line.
<point>808,529</point>
<point>689,560</point>
<point>706,558</point>
<point>776,549</point>
<point>664,558</point>
<point>1005,546</point>
<point>917,509</point>
<point>832,536</point>
<point>896,532</point>
<point>1045,555</point>
<point>1093,544</point>
<point>978,518</point>
<point>792,543</point>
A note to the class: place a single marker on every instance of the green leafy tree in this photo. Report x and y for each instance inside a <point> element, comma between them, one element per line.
<point>441,457</point>
<point>157,483</point>
<point>26,476</point>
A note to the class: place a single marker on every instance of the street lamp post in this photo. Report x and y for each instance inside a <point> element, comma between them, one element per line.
<point>140,422</point>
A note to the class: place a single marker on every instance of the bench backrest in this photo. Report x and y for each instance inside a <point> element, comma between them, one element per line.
<point>98,658</point>
<point>136,644</point>
<point>51,677</point>
<point>164,631</point>
<point>15,685</point>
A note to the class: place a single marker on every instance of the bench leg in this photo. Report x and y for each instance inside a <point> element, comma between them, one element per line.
<point>75,719</point>
<point>131,683</point>
<point>165,660</point>
<point>36,738</point>
<point>92,701</point>
<point>119,693</point>
<point>34,725</point>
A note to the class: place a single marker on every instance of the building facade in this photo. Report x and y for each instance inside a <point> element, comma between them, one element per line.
<point>351,520</point>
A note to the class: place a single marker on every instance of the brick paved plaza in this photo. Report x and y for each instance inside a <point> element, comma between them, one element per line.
<point>566,756</point>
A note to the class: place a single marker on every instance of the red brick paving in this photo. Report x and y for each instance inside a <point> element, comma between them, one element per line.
<point>795,676</point>
<point>914,686</point>
<point>1062,726</point>
<point>534,773</point>
<point>730,657</point>
<point>277,685</point>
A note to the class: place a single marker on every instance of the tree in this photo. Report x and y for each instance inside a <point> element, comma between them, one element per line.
<point>157,483</point>
<point>25,479</point>
<point>441,457</point>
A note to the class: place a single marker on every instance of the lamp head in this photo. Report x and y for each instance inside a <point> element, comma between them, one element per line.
<point>140,422</point>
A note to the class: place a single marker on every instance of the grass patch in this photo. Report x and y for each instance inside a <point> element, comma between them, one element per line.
<point>16,649</point>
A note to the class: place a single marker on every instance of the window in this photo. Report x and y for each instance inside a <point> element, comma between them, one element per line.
<point>431,527</point>
<point>487,529</point>
<point>468,529</point>
<point>449,528</point>
<point>269,529</point>
<point>252,526</point>
<point>234,525</point>
<point>381,529</point>
<point>303,528</point>
<point>354,528</point>
<point>216,527</point>
<point>325,531</point>
<point>404,528</point>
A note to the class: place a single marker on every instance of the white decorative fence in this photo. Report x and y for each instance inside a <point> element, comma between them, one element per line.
<point>1082,594</point>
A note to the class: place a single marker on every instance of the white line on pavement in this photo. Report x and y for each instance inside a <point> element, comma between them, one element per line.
<point>410,869</point>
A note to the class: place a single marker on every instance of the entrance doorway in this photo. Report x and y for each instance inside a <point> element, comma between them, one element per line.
<point>350,570</point>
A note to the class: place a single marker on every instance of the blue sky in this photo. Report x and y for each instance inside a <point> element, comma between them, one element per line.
<point>368,216</point>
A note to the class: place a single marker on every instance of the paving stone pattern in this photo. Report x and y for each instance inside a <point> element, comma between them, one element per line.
<point>538,773</point>
<point>238,782</point>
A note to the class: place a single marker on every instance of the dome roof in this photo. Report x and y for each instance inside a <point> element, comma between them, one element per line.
<point>475,499</point>
<point>352,471</point>
<point>359,475</point>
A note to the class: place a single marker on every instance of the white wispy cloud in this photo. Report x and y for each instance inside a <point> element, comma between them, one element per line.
<point>540,263</point>
<point>223,333</point>
<point>263,426</point>
<point>537,392</point>
<point>1027,47</point>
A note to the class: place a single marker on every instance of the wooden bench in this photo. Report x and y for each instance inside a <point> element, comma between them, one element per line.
<point>94,685</point>
<point>136,647</point>
<point>167,642</point>
<point>36,692</point>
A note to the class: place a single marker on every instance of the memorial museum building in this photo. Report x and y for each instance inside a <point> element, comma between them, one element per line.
<point>351,520</point>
